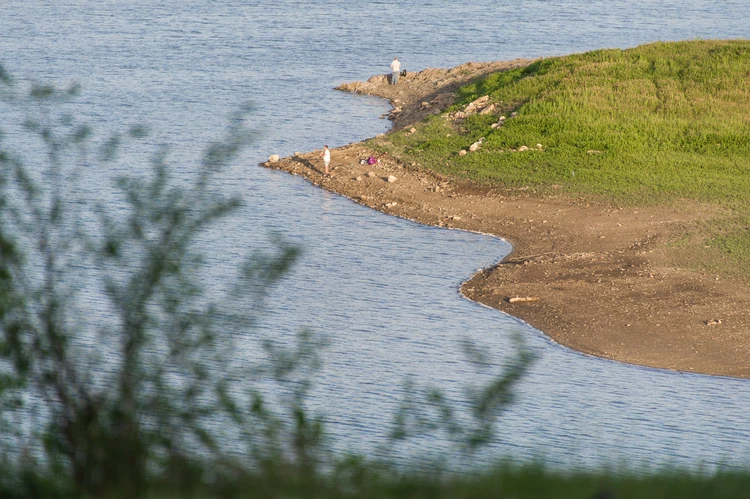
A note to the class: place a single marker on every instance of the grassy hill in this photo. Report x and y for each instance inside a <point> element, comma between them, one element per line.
<point>648,125</point>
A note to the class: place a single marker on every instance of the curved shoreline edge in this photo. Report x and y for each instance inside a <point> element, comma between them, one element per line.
<point>598,279</point>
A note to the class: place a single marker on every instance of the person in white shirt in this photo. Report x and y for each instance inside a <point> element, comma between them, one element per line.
<point>395,70</point>
<point>326,158</point>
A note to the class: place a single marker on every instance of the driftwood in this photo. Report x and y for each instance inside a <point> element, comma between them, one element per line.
<point>523,299</point>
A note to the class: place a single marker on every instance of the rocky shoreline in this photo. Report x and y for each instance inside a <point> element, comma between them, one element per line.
<point>598,279</point>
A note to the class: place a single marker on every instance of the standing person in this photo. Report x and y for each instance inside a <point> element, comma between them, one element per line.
<point>326,158</point>
<point>395,70</point>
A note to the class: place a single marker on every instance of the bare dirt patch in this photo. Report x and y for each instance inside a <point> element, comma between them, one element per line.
<point>605,277</point>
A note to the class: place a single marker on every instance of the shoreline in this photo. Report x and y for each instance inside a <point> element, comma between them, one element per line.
<point>600,279</point>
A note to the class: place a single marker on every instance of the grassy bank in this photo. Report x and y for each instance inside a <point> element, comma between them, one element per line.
<point>650,125</point>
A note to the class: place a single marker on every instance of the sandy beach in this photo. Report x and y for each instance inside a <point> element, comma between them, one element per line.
<point>604,280</point>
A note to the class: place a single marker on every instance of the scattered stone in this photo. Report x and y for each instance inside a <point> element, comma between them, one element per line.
<point>523,299</point>
<point>370,174</point>
<point>475,146</point>
<point>488,109</point>
<point>273,158</point>
<point>297,154</point>
<point>494,125</point>
<point>539,146</point>
<point>513,114</point>
<point>425,105</point>
<point>593,151</point>
<point>523,148</point>
<point>412,130</point>
<point>712,322</point>
<point>358,178</point>
<point>462,152</point>
<point>477,104</point>
<point>391,179</point>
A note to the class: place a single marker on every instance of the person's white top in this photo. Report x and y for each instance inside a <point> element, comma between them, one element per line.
<point>327,155</point>
<point>395,66</point>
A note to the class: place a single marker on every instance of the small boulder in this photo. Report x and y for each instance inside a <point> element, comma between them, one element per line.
<point>488,109</point>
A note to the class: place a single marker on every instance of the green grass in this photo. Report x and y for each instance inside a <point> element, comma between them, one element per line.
<point>664,122</point>
<point>672,120</point>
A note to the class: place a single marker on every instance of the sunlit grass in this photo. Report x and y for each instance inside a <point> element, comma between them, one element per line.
<point>643,126</point>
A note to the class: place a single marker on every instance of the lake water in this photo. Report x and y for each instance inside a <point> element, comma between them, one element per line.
<point>384,290</point>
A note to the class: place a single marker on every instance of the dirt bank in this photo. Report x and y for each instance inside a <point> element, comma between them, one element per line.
<point>602,279</point>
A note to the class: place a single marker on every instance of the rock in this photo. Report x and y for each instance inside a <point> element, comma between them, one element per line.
<point>370,174</point>
<point>475,146</point>
<point>523,299</point>
<point>297,153</point>
<point>539,146</point>
<point>462,152</point>
<point>488,109</point>
<point>358,178</point>
<point>425,105</point>
<point>513,114</point>
<point>412,130</point>
<point>375,79</point>
<point>494,125</point>
<point>523,148</point>
<point>273,158</point>
<point>593,151</point>
<point>391,179</point>
<point>476,104</point>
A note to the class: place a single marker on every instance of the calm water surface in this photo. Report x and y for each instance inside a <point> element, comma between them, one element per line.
<point>384,290</point>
